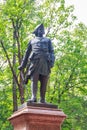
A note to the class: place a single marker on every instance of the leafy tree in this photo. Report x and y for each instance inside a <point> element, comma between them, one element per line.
<point>70,84</point>
<point>16,13</point>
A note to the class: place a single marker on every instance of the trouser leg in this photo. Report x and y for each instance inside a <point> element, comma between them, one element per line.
<point>34,83</point>
<point>43,81</point>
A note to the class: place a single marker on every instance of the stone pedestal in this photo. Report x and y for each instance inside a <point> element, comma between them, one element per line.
<point>37,117</point>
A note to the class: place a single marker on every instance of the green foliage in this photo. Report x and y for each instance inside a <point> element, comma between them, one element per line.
<point>69,77</point>
<point>5,107</point>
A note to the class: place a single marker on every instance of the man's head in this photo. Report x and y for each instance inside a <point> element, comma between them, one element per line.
<point>39,31</point>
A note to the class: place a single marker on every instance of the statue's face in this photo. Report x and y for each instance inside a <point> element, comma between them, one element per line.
<point>40,32</point>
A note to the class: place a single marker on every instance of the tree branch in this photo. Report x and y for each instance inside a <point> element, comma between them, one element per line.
<point>12,70</point>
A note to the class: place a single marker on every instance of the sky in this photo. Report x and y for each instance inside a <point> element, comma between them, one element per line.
<point>80,9</point>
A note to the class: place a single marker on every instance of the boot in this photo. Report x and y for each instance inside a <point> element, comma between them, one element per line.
<point>33,90</point>
<point>42,101</point>
<point>43,89</point>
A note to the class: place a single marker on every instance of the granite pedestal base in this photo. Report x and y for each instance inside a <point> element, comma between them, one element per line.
<point>37,117</point>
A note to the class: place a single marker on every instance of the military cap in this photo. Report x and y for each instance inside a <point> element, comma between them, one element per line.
<point>41,26</point>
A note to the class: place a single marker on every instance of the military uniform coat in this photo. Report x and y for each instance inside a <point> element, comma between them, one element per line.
<point>39,56</point>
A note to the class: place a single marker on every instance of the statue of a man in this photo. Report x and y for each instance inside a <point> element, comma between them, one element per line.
<point>40,56</point>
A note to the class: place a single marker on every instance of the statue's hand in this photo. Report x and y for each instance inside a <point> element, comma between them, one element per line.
<point>20,67</point>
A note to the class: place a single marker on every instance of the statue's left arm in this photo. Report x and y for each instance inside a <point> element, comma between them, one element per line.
<point>51,52</point>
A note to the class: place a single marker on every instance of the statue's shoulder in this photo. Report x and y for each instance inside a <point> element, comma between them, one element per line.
<point>46,39</point>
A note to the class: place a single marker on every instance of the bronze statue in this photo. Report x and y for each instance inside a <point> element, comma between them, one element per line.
<point>39,58</point>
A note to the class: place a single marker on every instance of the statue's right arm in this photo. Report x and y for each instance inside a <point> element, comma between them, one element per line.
<point>25,58</point>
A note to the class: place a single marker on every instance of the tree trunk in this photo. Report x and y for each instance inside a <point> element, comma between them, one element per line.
<point>16,38</point>
<point>21,73</point>
<point>14,89</point>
